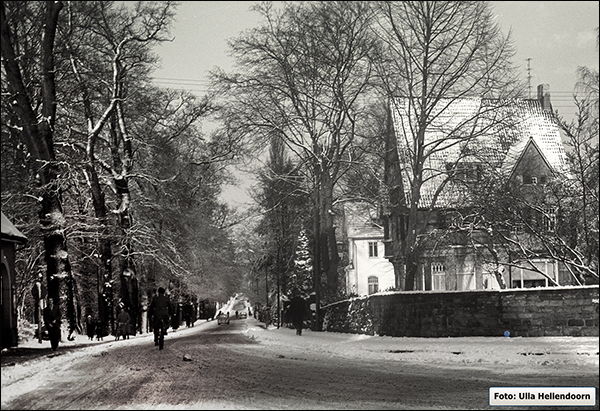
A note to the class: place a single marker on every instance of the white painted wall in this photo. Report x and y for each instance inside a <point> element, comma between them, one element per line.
<point>365,266</point>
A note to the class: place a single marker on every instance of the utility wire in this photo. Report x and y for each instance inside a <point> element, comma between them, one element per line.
<point>559,99</point>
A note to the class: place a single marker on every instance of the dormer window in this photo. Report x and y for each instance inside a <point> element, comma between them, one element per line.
<point>466,172</point>
<point>528,179</point>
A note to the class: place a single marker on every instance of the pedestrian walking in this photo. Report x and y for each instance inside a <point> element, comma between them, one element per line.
<point>99,330</point>
<point>298,310</point>
<point>52,318</point>
<point>123,322</point>
<point>188,314</point>
<point>160,309</point>
<point>90,326</point>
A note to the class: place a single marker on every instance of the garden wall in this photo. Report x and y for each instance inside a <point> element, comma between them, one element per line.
<point>530,312</point>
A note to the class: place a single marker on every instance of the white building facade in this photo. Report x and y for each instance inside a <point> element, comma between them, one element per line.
<point>368,271</point>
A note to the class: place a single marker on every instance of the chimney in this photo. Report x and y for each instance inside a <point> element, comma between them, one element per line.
<point>543,95</point>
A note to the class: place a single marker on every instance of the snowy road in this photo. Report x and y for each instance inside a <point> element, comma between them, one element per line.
<point>245,366</point>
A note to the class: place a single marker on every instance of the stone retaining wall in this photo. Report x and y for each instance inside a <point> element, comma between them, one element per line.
<point>553,311</point>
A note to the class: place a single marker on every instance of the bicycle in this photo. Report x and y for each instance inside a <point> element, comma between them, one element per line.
<point>162,331</point>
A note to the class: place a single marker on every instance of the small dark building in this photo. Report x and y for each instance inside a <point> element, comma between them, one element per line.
<point>11,237</point>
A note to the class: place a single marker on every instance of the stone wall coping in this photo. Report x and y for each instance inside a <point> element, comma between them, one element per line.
<point>507,290</point>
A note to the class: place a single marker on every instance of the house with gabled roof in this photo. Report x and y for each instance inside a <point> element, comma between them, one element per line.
<point>469,138</point>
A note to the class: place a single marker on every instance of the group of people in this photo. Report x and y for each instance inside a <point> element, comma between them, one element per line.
<point>95,327</point>
<point>161,309</point>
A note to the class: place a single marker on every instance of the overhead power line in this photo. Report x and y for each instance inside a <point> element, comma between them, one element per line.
<point>559,99</point>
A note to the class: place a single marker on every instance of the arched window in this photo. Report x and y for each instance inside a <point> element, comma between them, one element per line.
<point>373,284</point>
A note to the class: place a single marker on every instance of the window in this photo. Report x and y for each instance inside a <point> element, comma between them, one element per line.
<point>373,249</point>
<point>529,278</point>
<point>373,284</point>
<point>465,281</point>
<point>467,172</point>
<point>438,273</point>
<point>541,218</point>
<point>549,219</point>
<point>530,180</point>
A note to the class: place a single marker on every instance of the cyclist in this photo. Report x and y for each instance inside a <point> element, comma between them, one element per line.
<point>161,311</point>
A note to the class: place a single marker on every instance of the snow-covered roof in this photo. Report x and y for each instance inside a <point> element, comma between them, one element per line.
<point>476,131</point>
<point>537,125</point>
<point>365,231</point>
<point>359,221</point>
<point>10,232</point>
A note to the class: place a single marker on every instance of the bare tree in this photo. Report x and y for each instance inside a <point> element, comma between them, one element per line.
<point>582,246</point>
<point>126,36</point>
<point>33,96</point>
<point>121,142</point>
<point>304,75</point>
<point>79,35</point>
<point>433,54</point>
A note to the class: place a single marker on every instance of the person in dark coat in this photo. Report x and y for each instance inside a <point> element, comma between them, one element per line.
<point>188,314</point>
<point>123,321</point>
<point>298,311</point>
<point>99,330</point>
<point>90,326</point>
<point>52,318</point>
<point>160,308</point>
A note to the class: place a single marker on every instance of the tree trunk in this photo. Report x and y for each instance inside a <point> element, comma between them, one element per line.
<point>39,140</point>
<point>104,274</point>
<point>317,251</point>
<point>394,210</point>
<point>329,252</point>
<point>412,249</point>
<point>129,286</point>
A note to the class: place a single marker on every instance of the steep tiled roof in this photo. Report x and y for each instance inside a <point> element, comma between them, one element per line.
<point>360,221</point>
<point>491,133</point>
<point>538,125</point>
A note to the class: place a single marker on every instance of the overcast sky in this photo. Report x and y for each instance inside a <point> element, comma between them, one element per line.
<point>558,37</point>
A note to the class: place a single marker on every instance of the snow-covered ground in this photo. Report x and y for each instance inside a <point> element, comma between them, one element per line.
<point>521,353</point>
<point>573,357</point>
<point>531,355</point>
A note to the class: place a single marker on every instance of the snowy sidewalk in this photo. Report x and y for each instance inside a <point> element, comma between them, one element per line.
<point>566,353</point>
